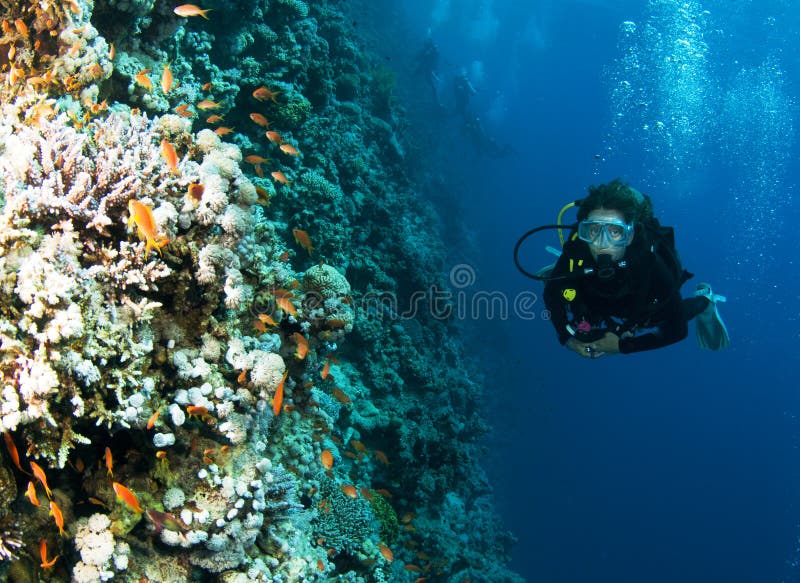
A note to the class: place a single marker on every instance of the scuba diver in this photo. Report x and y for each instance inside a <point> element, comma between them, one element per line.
<point>615,287</point>
<point>426,62</point>
<point>462,92</point>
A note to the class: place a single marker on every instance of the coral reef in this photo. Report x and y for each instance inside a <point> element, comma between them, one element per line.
<point>208,232</point>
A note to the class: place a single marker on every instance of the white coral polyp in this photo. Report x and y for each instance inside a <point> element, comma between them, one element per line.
<point>36,379</point>
<point>268,369</point>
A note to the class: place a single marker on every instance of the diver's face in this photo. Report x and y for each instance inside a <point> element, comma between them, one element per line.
<point>616,252</point>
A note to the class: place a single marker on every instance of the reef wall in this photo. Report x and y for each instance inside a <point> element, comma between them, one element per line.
<point>210,244</point>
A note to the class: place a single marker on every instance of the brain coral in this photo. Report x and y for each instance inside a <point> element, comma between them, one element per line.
<point>326,281</point>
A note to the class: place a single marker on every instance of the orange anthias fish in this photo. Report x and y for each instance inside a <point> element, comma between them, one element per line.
<point>267,319</point>
<point>302,346</point>
<point>255,159</point>
<point>326,457</point>
<point>302,239</point>
<point>207,104</point>
<point>142,217</point>
<point>127,497</point>
<point>285,304</point>
<point>263,93</point>
<point>142,79</point>
<point>289,149</point>
<point>30,492</point>
<point>38,473</point>
<point>350,490</point>
<point>325,370</point>
<point>109,462</point>
<point>55,512</point>
<point>166,79</point>
<point>280,177</point>
<point>170,156</point>
<point>43,552</point>
<point>12,451</point>
<point>152,421</point>
<point>277,400</point>
<point>273,136</point>
<point>187,10</point>
<point>259,119</point>
<point>386,552</point>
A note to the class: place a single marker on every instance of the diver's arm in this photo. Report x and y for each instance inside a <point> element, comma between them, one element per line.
<point>671,328</point>
<point>554,302</point>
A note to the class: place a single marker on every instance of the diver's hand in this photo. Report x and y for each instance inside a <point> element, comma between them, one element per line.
<point>608,344</point>
<point>585,349</point>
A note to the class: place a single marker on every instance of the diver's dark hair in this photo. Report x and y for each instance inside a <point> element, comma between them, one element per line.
<point>634,206</point>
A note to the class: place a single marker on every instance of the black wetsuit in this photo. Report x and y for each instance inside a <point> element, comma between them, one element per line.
<point>642,298</point>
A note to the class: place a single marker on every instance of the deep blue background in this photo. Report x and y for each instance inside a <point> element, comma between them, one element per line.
<point>673,465</point>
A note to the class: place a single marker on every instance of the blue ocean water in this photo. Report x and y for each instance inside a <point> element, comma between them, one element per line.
<point>677,464</point>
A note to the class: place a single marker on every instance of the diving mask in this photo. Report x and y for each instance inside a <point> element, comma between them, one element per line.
<point>604,234</point>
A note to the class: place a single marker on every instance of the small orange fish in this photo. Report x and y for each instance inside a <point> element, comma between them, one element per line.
<point>187,10</point>
<point>358,446</point>
<point>55,512</point>
<point>142,216</point>
<point>381,457</point>
<point>386,552</point>
<point>412,568</point>
<point>30,492</point>
<point>39,475</point>
<point>214,118</point>
<point>143,79</point>
<point>384,492</point>
<point>127,497</point>
<point>284,257</point>
<point>223,131</point>
<point>43,552</point>
<point>349,490</point>
<point>21,27</point>
<point>280,177</point>
<point>195,191</point>
<point>263,93</point>
<point>408,517</point>
<point>12,451</point>
<point>289,149</point>
<point>207,86</point>
<point>277,399</point>
<point>325,370</point>
<point>255,159</point>
<point>152,421</point>
<point>170,156</point>
<point>302,346</point>
<point>320,565</point>
<point>266,319</point>
<point>184,111</point>
<point>259,119</point>
<point>259,170</point>
<point>196,411</point>
<point>341,396</point>
<point>301,238</point>
<point>207,104</point>
<point>111,52</point>
<point>326,457</point>
<point>109,462</point>
<point>285,304</point>
<point>366,493</point>
<point>242,377</point>
<point>273,136</point>
<point>166,79</point>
